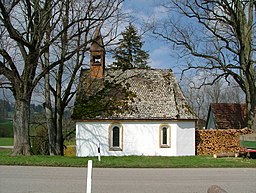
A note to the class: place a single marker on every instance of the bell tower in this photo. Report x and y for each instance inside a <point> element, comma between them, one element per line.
<point>97,56</point>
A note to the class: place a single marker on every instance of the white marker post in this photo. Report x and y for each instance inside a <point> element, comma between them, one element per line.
<point>99,153</point>
<point>89,177</point>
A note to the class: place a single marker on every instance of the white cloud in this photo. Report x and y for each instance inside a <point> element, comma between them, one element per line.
<point>160,58</point>
<point>145,10</point>
<point>160,12</point>
<point>163,50</point>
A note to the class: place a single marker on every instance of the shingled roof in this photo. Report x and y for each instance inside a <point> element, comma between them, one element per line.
<point>227,115</point>
<point>155,94</point>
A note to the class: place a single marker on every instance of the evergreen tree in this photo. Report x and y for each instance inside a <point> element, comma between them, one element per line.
<point>129,53</point>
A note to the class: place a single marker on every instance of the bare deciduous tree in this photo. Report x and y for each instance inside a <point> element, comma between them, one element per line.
<point>221,37</point>
<point>25,26</point>
<point>77,41</point>
<point>201,96</point>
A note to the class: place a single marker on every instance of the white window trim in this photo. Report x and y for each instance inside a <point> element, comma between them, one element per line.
<point>111,147</point>
<point>168,145</point>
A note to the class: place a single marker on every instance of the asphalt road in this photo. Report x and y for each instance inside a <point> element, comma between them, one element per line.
<point>19,179</point>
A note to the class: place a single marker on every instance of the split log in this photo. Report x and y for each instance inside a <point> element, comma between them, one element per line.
<point>218,155</point>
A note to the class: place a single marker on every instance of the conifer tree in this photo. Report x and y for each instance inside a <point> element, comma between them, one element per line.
<point>129,53</point>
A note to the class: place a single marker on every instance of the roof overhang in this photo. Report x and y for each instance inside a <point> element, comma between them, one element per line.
<point>135,120</point>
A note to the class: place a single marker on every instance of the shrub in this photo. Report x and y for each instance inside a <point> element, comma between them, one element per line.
<point>70,151</point>
<point>40,142</point>
<point>6,129</point>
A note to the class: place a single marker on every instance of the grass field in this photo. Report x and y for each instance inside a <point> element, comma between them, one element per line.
<point>6,141</point>
<point>129,161</point>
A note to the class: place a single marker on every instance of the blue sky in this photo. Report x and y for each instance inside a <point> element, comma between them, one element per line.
<point>143,11</point>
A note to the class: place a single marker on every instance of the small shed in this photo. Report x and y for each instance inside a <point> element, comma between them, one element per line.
<point>226,116</point>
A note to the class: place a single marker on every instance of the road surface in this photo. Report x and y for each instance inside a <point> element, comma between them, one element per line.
<point>24,179</point>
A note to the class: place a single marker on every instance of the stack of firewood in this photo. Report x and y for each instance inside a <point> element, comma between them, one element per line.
<point>209,142</point>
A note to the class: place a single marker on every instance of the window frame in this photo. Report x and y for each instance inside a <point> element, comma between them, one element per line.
<point>168,137</point>
<point>111,147</point>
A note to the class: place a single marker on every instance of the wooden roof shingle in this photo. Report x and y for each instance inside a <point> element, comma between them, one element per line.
<point>155,95</point>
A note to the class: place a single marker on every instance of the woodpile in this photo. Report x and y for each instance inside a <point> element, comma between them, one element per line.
<point>209,142</point>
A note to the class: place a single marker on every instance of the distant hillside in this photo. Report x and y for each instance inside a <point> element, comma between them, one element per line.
<point>7,108</point>
<point>6,116</point>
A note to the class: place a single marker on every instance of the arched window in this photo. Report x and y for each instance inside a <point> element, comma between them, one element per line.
<point>165,136</point>
<point>115,137</point>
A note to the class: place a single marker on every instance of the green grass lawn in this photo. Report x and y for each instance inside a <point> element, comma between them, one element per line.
<point>128,161</point>
<point>6,141</point>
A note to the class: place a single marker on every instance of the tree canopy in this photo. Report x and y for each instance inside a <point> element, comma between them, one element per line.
<point>129,53</point>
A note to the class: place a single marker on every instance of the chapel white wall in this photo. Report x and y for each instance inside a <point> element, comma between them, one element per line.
<point>139,138</point>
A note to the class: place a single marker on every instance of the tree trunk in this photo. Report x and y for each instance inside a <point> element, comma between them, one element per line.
<point>49,118</point>
<point>251,111</point>
<point>21,127</point>
<point>48,106</point>
<point>58,99</point>
<point>59,117</point>
<point>60,142</point>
